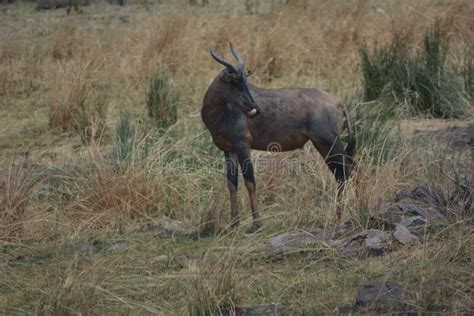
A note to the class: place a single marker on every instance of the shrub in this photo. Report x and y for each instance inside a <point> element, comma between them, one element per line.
<point>162,100</point>
<point>421,81</point>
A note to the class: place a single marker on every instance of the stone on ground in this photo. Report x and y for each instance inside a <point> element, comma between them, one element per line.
<point>296,240</point>
<point>372,242</point>
<point>403,235</point>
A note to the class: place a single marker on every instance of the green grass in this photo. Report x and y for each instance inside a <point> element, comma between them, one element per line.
<point>421,82</point>
<point>162,100</point>
<point>124,136</point>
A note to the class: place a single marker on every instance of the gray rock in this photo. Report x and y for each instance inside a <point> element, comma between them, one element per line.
<point>118,246</point>
<point>403,235</point>
<point>296,240</point>
<point>430,195</point>
<point>380,296</point>
<point>343,229</point>
<point>424,204</point>
<point>372,242</point>
<point>413,221</point>
<point>426,213</point>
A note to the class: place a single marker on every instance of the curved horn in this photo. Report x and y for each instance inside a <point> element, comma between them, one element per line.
<point>222,61</point>
<point>236,55</point>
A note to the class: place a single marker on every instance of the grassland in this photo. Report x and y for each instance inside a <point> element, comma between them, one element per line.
<point>74,215</point>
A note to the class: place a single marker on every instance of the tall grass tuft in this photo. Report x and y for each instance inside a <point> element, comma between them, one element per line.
<point>17,185</point>
<point>422,81</point>
<point>215,286</point>
<point>89,117</point>
<point>468,69</point>
<point>124,136</point>
<point>377,129</point>
<point>77,104</point>
<point>162,100</point>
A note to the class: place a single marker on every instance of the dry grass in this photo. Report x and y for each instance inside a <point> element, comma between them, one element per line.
<point>64,81</point>
<point>17,185</point>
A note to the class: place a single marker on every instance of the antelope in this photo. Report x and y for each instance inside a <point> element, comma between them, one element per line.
<point>241,117</point>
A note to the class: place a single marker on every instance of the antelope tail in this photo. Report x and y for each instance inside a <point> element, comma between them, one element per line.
<point>351,144</point>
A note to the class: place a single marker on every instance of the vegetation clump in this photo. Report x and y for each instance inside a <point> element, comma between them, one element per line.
<point>162,100</point>
<point>124,136</point>
<point>422,82</point>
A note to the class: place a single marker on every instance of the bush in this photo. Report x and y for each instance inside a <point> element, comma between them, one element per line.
<point>162,101</point>
<point>422,81</point>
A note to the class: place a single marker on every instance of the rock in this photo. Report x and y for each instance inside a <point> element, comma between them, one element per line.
<point>380,296</point>
<point>372,242</point>
<point>425,204</point>
<point>296,240</point>
<point>430,195</point>
<point>118,246</point>
<point>384,221</point>
<point>399,196</point>
<point>403,235</point>
<point>343,229</point>
<point>413,221</point>
<point>426,213</point>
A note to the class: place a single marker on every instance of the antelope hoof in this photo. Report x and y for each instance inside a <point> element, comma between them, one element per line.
<point>255,228</point>
<point>234,224</point>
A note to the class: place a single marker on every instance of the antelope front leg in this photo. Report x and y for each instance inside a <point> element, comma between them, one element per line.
<point>232,167</point>
<point>243,154</point>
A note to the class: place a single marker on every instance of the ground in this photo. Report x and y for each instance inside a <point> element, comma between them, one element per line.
<point>83,232</point>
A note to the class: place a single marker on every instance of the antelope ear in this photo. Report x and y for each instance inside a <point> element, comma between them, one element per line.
<point>250,72</point>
